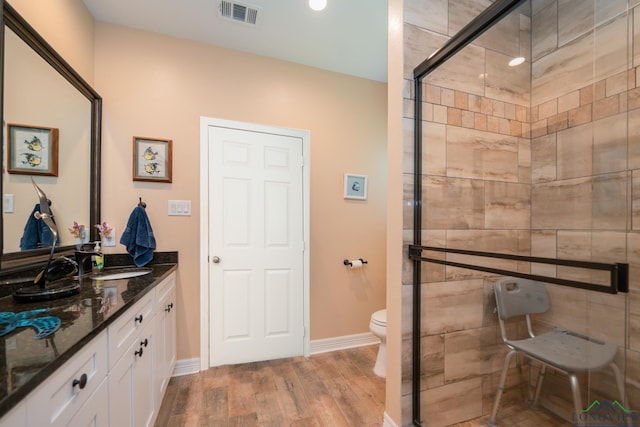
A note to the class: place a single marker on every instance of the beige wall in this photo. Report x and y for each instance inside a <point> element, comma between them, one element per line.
<point>158,86</point>
<point>66,25</point>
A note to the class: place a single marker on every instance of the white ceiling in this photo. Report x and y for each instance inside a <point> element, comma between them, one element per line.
<point>349,36</point>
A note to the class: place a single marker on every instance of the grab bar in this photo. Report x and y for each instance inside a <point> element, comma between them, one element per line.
<point>619,272</point>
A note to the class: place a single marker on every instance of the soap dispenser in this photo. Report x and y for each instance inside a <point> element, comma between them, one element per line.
<point>97,260</point>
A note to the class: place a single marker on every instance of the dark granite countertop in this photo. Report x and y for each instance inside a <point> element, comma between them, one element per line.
<point>26,361</point>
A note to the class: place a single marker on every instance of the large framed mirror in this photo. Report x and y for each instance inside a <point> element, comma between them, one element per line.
<point>51,123</point>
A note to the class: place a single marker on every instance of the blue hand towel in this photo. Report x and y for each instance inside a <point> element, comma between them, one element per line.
<point>138,237</point>
<point>36,233</point>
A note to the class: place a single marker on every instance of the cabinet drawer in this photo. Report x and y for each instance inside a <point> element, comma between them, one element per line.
<point>125,330</point>
<point>61,396</point>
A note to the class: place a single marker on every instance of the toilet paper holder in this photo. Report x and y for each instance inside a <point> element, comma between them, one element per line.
<point>350,264</point>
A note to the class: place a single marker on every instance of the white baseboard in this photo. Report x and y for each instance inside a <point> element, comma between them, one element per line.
<point>387,421</point>
<point>192,366</point>
<point>343,342</point>
<point>186,367</point>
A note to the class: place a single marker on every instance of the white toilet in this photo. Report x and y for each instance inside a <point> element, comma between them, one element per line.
<point>378,326</point>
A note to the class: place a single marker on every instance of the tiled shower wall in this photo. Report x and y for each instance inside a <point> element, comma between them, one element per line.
<point>533,161</point>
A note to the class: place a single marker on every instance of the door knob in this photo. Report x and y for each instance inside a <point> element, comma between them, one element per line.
<point>215,259</point>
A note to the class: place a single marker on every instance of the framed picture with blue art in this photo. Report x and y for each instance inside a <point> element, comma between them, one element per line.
<point>355,186</point>
<point>32,150</point>
<point>151,159</point>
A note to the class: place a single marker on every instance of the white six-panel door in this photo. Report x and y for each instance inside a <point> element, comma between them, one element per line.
<point>256,246</point>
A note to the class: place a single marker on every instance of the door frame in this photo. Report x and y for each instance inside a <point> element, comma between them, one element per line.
<point>305,137</point>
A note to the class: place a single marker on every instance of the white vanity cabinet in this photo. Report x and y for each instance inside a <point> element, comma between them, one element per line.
<point>131,386</point>
<point>56,401</point>
<point>166,322</point>
<point>17,416</point>
<point>118,379</point>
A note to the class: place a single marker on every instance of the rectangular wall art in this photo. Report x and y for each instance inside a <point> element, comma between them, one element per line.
<point>32,150</point>
<point>151,159</point>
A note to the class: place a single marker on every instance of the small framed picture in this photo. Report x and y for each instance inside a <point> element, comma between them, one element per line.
<point>355,186</point>
<point>151,159</point>
<point>32,150</point>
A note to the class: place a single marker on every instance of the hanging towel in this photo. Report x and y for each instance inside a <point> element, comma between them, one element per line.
<point>138,237</point>
<point>36,233</point>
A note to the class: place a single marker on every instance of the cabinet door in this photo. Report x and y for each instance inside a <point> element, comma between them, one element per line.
<point>166,338</point>
<point>95,411</point>
<point>131,385</point>
<point>124,331</point>
<point>17,417</point>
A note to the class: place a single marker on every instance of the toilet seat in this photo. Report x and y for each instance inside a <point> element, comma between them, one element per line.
<point>379,318</point>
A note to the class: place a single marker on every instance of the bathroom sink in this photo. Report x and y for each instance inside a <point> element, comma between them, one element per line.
<point>120,273</point>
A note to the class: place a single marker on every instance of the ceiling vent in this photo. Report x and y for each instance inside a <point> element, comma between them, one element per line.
<point>238,12</point>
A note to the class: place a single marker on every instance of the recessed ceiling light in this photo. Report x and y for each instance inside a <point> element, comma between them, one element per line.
<point>317,5</point>
<point>516,61</point>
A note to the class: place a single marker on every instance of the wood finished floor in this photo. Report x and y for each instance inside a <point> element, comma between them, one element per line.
<point>330,389</point>
<point>336,389</point>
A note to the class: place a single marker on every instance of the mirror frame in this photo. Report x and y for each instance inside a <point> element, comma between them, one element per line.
<point>12,19</point>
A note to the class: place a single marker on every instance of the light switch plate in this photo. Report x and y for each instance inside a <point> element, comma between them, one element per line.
<point>111,240</point>
<point>7,203</point>
<point>179,208</point>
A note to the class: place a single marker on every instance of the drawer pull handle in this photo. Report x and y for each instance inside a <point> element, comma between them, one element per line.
<point>138,353</point>
<point>138,319</point>
<point>144,343</point>
<point>169,307</point>
<point>82,382</point>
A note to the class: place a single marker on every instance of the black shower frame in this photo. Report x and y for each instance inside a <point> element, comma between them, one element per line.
<point>619,272</point>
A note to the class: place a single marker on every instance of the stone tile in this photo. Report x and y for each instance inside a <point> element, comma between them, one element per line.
<point>562,205</point>
<point>510,111</point>
<point>504,36</point>
<point>453,203</point>
<point>606,10</point>
<point>617,84</point>
<point>636,37</point>
<point>580,116</point>
<point>610,201</point>
<point>436,20</point>
<point>434,147</point>
<point>538,128</point>
<point>574,245</point>
<point>610,144</point>
<point>462,12</point>
<point>544,31</point>
<point>543,159</point>
<point>574,19</point>
<point>440,114</point>
<point>635,201</point>
<point>505,83</point>
<point>468,119</point>
<point>558,122</point>
<point>548,109</point>
<point>407,145</point>
<point>419,44</point>
<point>461,100</point>
<point>543,244</point>
<point>569,101</point>
<point>454,117</point>
<point>431,363</point>
<point>474,103</point>
<point>611,48</point>
<point>480,121</point>
<point>575,152</point>
<point>607,317</point>
<point>471,353</point>
<point>572,67</point>
<point>432,94</point>
<point>407,199</point>
<point>524,160</point>
<point>452,403</point>
<point>447,97</point>
<point>501,241</point>
<point>461,71</point>
<point>633,142</point>
<point>438,299</point>
<point>507,205</point>
<point>483,155</point>
<point>568,308</point>
<point>606,107</point>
